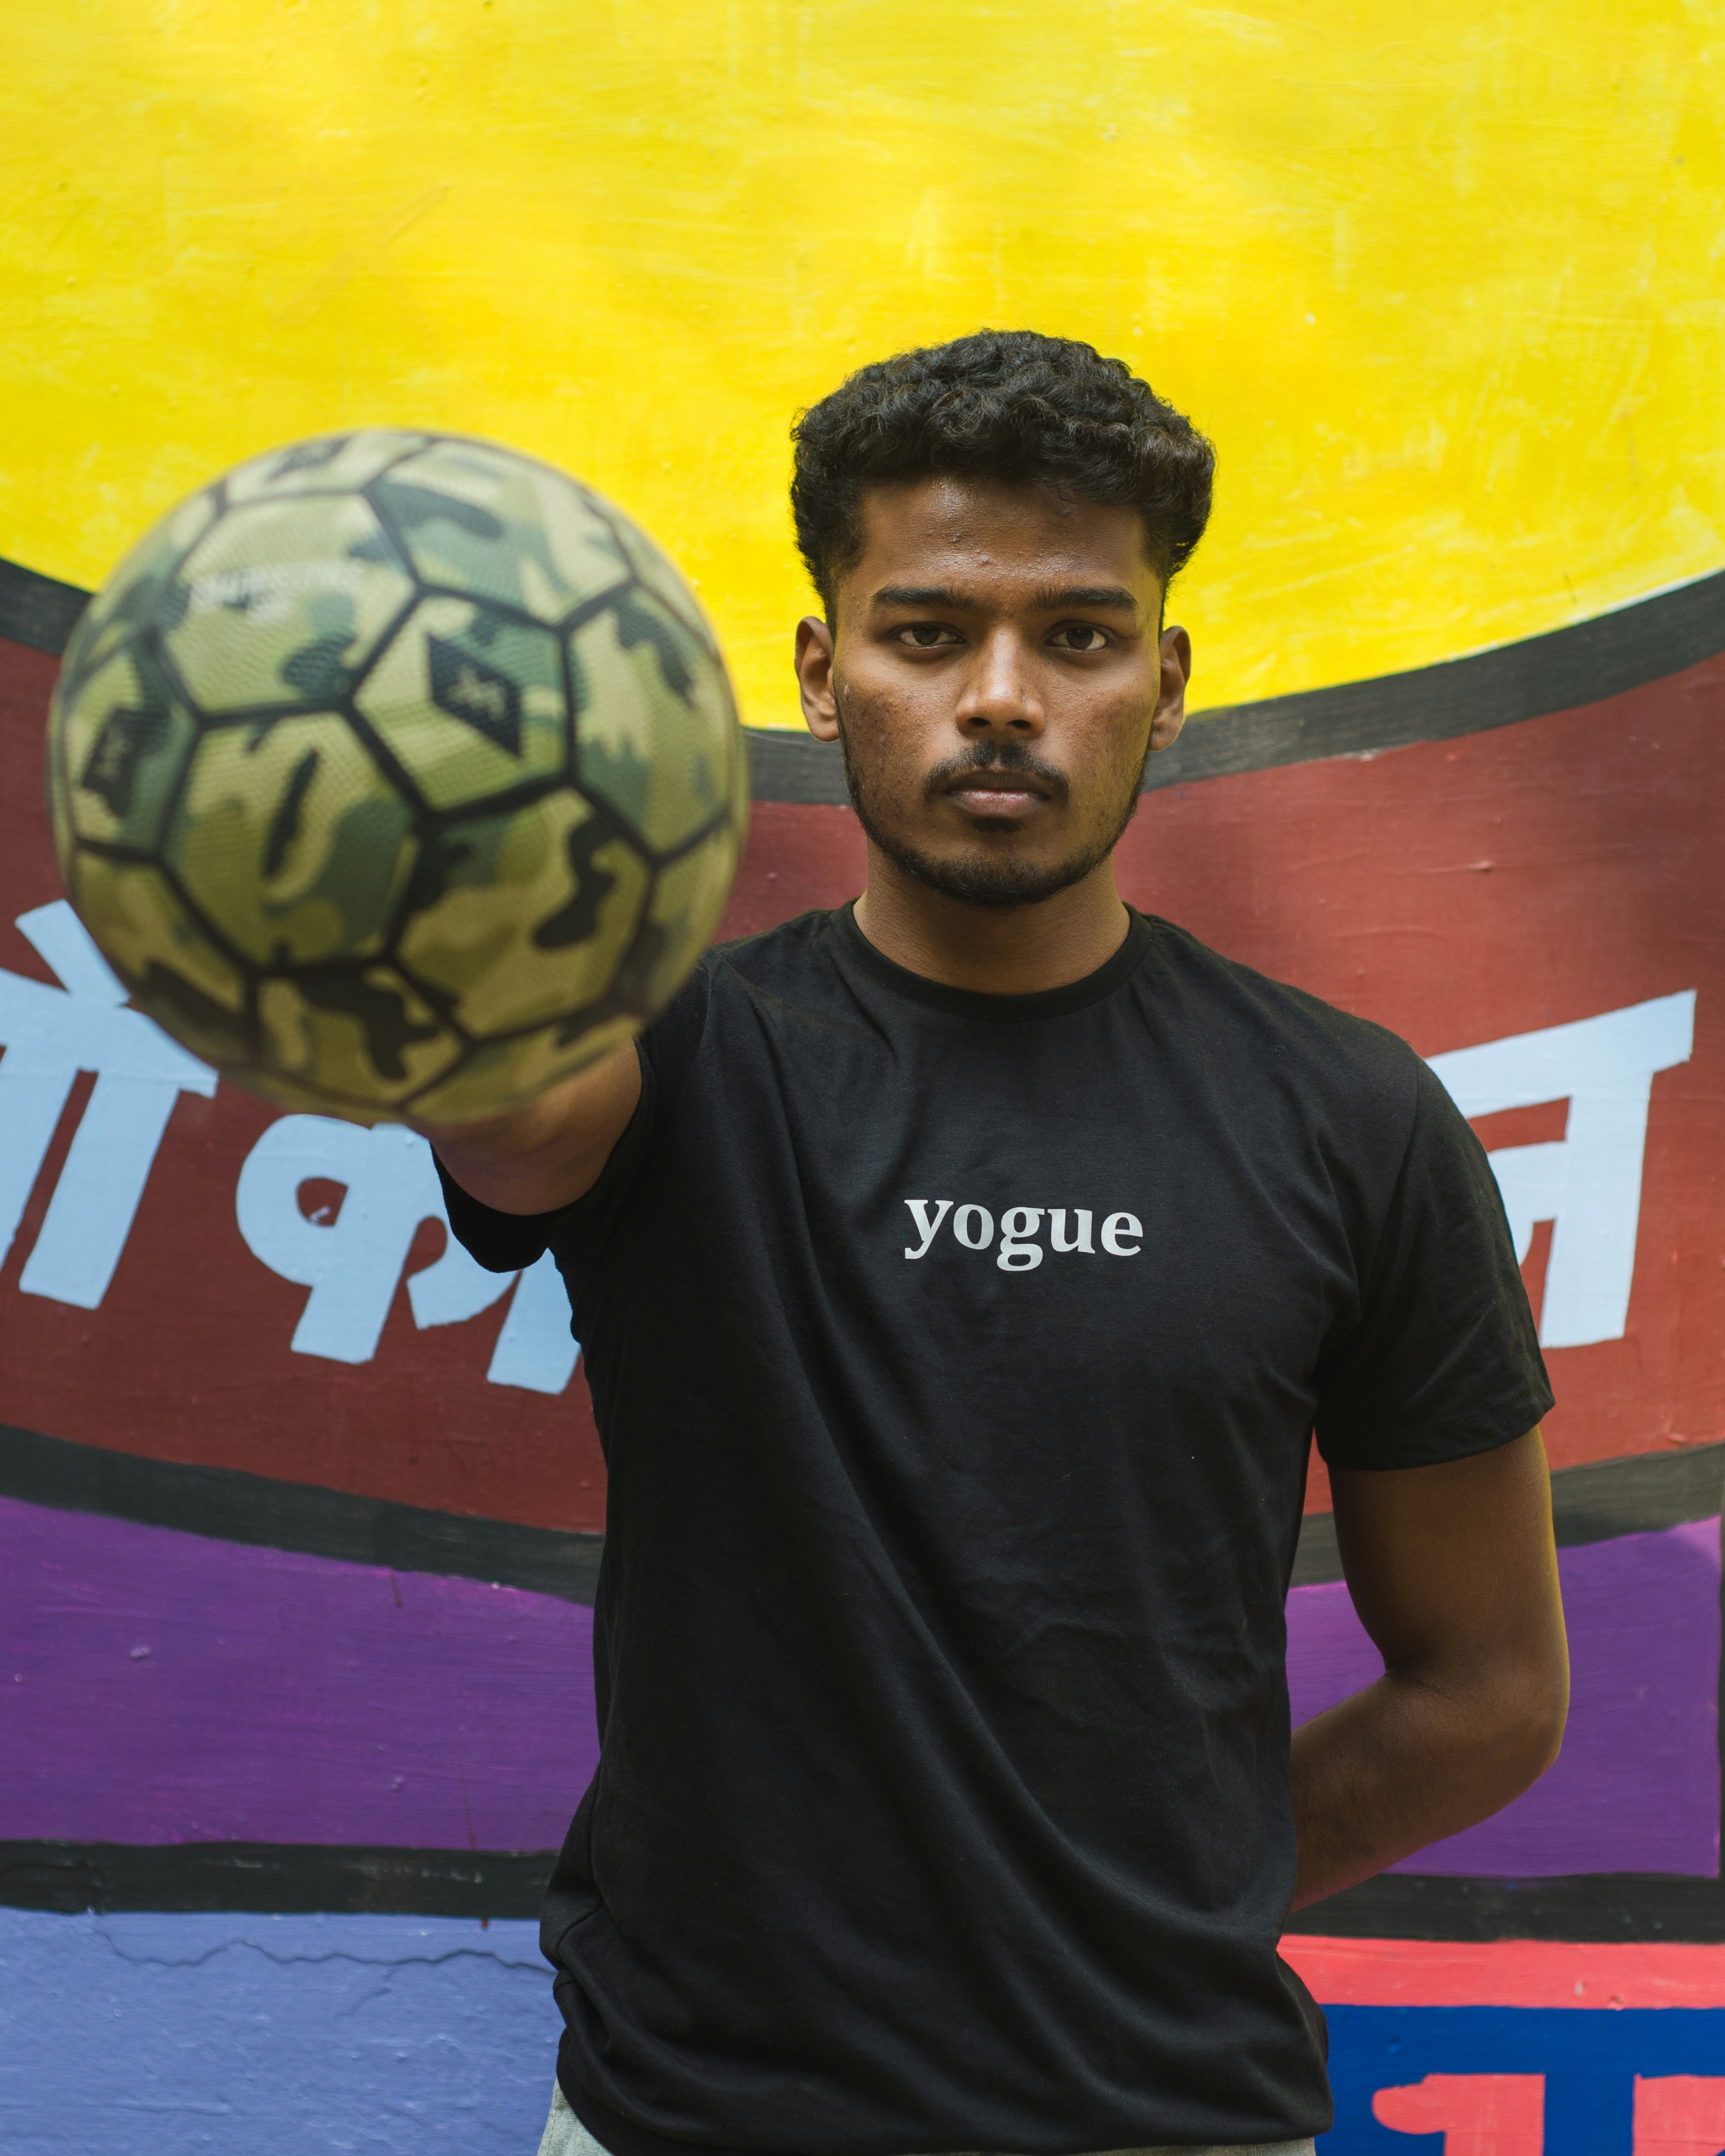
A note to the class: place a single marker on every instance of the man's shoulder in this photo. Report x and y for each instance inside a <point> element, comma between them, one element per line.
<point>774,957</point>
<point>783,965</point>
<point>1291,1033</point>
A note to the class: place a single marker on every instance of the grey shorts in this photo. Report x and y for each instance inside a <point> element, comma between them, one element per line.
<point>566,2136</point>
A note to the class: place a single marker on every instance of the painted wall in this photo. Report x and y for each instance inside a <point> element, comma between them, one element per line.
<point>1443,280</point>
<point>300,1514</point>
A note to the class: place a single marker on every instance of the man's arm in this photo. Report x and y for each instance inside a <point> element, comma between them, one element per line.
<point>551,1152</point>
<point>1454,1573</point>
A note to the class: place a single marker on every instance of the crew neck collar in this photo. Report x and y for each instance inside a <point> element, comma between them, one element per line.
<point>976,1004</point>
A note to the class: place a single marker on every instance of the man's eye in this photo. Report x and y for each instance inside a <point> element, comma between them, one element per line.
<point>1078,636</point>
<point>926,635</point>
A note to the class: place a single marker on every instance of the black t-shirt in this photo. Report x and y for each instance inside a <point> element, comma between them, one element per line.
<point>956,1357</point>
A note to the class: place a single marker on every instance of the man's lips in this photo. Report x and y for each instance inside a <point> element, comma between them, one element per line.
<point>992,793</point>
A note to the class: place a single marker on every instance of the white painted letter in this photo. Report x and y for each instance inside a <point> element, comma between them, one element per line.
<point>1057,1230</point>
<point>982,1219</point>
<point>928,1229</point>
<point>1114,1227</point>
<point>353,1264</point>
<point>49,1036</point>
<point>1017,1255</point>
<point>1587,1183</point>
<point>535,1348</point>
<point>454,1287</point>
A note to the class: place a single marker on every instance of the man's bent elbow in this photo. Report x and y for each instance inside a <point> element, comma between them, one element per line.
<point>1547,1736</point>
<point>1531,1732</point>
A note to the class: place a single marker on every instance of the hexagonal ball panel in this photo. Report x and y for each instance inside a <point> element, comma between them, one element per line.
<point>291,841</point>
<point>655,730</point>
<point>140,592</point>
<point>119,746</point>
<point>283,603</point>
<point>665,580</point>
<point>688,897</point>
<point>481,520</point>
<point>327,463</point>
<point>353,1033</point>
<point>470,701</point>
<point>522,917</point>
<point>160,950</point>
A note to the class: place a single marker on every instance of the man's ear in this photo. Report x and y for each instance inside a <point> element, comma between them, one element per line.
<point>814,677</point>
<point>1170,713</point>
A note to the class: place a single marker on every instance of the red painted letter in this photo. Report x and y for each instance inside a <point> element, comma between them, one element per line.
<point>1478,2114</point>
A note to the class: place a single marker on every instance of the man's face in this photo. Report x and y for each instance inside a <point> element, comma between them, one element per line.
<point>996,676</point>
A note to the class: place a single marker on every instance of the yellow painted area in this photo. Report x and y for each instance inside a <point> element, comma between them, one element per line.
<point>1444,281</point>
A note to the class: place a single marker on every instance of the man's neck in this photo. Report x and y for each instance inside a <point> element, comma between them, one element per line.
<point>992,950</point>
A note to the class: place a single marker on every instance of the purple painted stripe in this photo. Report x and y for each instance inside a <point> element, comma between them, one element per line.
<point>1637,1787</point>
<point>158,1687</point>
<point>295,1698</point>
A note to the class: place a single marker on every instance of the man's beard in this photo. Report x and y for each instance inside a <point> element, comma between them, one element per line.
<point>984,879</point>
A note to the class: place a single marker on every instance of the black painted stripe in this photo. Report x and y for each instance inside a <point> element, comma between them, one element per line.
<point>1594,1906</point>
<point>1606,656</point>
<point>307,1878</point>
<point>1626,649</point>
<point>784,766</point>
<point>227,1503</point>
<point>273,1878</point>
<point>37,610</point>
<point>1591,1504</point>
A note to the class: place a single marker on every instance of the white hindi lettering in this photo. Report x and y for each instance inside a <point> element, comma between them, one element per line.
<point>352,1265</point>
<point>1587,1183</point>
<point>49,1036</point>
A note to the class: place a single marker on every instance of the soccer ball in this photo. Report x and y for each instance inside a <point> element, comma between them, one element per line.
<point>397,773</point>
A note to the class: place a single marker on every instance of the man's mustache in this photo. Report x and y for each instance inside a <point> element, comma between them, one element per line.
<point>1007,755</point>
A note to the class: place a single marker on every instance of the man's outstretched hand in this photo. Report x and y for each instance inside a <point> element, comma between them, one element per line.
<point>553,1150</point>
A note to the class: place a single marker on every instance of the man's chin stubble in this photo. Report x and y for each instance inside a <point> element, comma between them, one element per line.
<point>980,879</point>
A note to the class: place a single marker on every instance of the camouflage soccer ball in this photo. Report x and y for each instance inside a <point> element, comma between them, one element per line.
<point>396,773</point>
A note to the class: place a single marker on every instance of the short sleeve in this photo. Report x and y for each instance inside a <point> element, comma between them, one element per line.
<point>501,1242</point>
<point>504,1242</point>
<point>1444,1360</point>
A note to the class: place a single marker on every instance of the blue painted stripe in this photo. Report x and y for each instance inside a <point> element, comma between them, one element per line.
<point>228,2036</point>
<point>233,2035</point>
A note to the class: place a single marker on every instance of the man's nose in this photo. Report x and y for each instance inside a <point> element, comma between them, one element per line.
<point>999,696</point>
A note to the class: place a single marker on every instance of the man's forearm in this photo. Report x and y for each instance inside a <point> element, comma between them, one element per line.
<point>1412,1759</point>
<point>1454,1574</point>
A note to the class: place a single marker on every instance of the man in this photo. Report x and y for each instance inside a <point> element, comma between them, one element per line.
<point>962,1276</point>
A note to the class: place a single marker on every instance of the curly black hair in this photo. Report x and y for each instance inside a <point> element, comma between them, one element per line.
<point>1048,411</point>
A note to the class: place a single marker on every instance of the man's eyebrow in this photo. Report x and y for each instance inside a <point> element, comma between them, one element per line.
<point>1051,598</point>
<point>922,595</point>
<point>1048,599</point>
